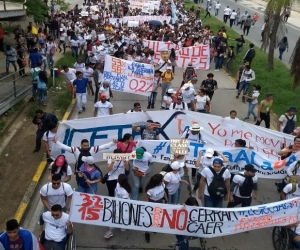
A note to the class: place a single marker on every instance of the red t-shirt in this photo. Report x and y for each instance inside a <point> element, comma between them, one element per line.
<point>121,146</point>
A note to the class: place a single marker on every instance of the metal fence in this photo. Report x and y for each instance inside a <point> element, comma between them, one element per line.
<point>13,88</point>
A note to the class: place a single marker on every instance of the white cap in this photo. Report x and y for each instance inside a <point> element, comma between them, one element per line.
<point>209,152</point>
<point>169,67</point>
<point>88,159</point>
<point>170,91</point>
<point>195,127</point>
<point>175,165</point>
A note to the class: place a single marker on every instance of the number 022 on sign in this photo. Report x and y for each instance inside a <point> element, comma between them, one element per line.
<point>179,146</point>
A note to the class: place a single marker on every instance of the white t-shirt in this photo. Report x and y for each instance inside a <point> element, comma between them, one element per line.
<point>117,169</point>
<point>227,11</point>
<point>173,182</point>
<point>191,137</point>
<point>188,95</point>
<point>179,106</point>
<point>121,192</point>
<point>55,229</point>
<point>56,196</point>
<point>288,188</point>
<point>255,94</point>
<point>49,47</point>
<point>209,177</point>
<point>133,111</point>
<point>283,121</point>
<point>166,98</point>
<point>70,75</point>
<point>201,101</point>
<point>143,164</point>
<point>240,180</point>
<point>233,15</point>
<point>228,118</point>
<point>64,175</point>
<point>103,108</point>
<point>217,6</point>
<point>206,162</point>
<point>79,66</point>
<point>181,171</point>
<point>105,91</point>
<point>157,193</point>
<point>87,73</point>
<point>49,136</point>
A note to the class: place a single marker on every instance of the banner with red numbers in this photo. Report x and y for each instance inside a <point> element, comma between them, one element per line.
<point>127,76</point>
<point>199,56</point>
<point>178,219</point>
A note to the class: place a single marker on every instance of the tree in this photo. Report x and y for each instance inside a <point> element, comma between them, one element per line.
<point>295,65</point>
<point>274,29</point>
<point>37,9</point>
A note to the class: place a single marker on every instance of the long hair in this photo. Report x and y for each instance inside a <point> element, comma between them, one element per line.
<point>123,182</point>
<point>126,137</point>
<point>191,201</point>
<point>43,76</point>
<point>154,181</point>
<point>62,170</point>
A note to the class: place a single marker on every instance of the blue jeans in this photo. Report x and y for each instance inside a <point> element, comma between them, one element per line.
<point>239,48</point>
<point>197,182</point>
<point>74,50</point>
<point>34,89</point>
<point>152,98</point>
<point>219,62</point>
<point>63,44</point>
<point>10,62</point>
<point>173,198</point>
<point>179,192</point>
<point>251,110</point>
<point>297,243</point>
<point>50,61</point>
<point>137,183</point>
<point>85,190</point>
<point>216,12</point>
<point>182,242</point>
<point>42,95</point>
<point>244,86</point>
<point>213,202</point>
<point>280,53</point>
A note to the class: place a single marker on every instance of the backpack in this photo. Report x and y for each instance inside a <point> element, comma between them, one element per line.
<point>290,125</point>
<point>187,135</point>
<point>81,180</point>
<point>189,72</point>
<point>247,186</point>
<point>63,186</point>
<point>35,74</point>
<point>183,105</point>
<point>217,188</point>
<point>79,162</point>
<point>51,118</point>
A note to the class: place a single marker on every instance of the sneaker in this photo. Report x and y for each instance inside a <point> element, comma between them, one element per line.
<point>83,108</point>
<point>79,112</point>
<point>148,107</point>
<point>152,106</point>
<point>140,190</point>
<point>108,234</point>
<point>246,118</point>
<point>147,237</point>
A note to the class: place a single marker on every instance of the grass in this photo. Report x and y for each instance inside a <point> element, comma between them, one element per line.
<point>278,81</point>
<point>67,60</point>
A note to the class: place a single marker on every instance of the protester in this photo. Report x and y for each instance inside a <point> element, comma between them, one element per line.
<point>167,99</point>
<point>103,107</point>
<point>209,85</point>
<point>147,131</point>
<point>42,81</point>
<point>48,137</point>
<point>252,99</point>
<point>167,78</point>
<point>179,104</point>
<point>264,109</point>
<point>286,122</point>
<point>202,102</point>
<point>188,95</point>
<point>60,166</point>
<point>232,116</point>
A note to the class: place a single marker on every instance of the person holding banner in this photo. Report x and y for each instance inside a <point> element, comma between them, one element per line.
<point>147,131</point>
<point>126,144</point>
<point>179,104</point>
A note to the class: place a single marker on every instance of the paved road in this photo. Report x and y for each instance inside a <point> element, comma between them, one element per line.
<point>254,34</point>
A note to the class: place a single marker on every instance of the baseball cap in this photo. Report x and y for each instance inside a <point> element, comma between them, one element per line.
<point>250,168</point>
<point>139,153</point>
<point>88,159</point>
<point>102,96</point>
<point>60,161</point>
<point>175,165</point>
<point>209,152</point>
<point>169,67</point>
<point>170,91</point>
<point>218,161</point>
<point>292,109</point>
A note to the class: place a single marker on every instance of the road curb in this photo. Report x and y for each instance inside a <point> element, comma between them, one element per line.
<point>21,211</point>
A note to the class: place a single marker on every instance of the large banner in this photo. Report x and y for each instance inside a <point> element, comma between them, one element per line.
<point>217,132</point>
<point>177,219</point>
<point>127,76</point>
<point>143,19</point>
<point>199,56</point>
<point>238,158</point>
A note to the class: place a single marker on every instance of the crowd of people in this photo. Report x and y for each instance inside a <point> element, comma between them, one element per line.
<point>94,36</point>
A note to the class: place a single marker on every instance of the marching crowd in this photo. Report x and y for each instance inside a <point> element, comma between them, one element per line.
<point>94,36</point>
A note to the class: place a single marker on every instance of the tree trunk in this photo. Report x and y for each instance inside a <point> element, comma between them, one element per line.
<point>273,40</point>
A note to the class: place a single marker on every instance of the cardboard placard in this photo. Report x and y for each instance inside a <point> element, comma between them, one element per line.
<point>179,146</point>
<point>119,156</point>
<point>152,125</point>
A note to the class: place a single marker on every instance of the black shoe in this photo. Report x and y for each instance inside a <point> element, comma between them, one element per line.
<point>148,107</point>
<point>147,237</point>
<point>83,108</point>
<point>152,106</point>
<point>140,190</point>
<point>36,151</point>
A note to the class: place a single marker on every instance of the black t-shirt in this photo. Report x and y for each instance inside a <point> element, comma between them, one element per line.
<point>209,85</point>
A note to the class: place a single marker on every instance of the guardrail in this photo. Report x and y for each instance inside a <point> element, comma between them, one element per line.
<point>13,88</point>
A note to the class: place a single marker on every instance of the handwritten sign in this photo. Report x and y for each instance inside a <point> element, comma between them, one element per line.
<point>118,157</point>
<point>199,56</point>
<point>179,146</point>
<point>143,19</point>
<point>176,219</point>
<point>127,76</point>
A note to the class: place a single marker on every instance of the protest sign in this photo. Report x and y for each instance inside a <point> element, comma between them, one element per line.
<point>114,21</point>
<point>179,146</point>
<point>202,222</point>
<point>199,56</point>
<point>127,76</point>
<point>143,19</point>
<point>149,7</point>
<point>133,24</point>
<point>217,131</point>
<point>118,157</point>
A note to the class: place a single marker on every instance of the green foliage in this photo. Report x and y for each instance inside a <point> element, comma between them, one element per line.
<point>68,60</point>
<point>37,9</point>
<point>9,29</point>
<point>63,5</point>
<point>278,82</point>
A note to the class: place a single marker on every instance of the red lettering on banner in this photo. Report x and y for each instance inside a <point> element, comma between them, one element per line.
<point>91,206</point>
<point>184,220</point>
<point>267,141</point>
<point>184,52</point>
<point>175,220</point>
<point>169,45</point>
<point>139,86</point>
<point>157,56</point>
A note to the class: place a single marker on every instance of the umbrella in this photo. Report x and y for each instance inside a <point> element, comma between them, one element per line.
<point>155,23</point>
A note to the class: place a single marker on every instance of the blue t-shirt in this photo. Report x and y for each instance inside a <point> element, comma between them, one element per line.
<point>81,85</point>
<point>95,174</point>
<point>35,58</point>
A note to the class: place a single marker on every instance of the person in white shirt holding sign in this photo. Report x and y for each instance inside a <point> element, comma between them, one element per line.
<point>57,227</point>
<point>179,104</point>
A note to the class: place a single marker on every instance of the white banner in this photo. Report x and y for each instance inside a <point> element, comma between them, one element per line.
<point>199,56</point>
<point>217,131</point>
<point>127,76</point>
<point>238,158</point>
<point>150,7</point>
<point>177,219</point>
<point>143,19</point>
